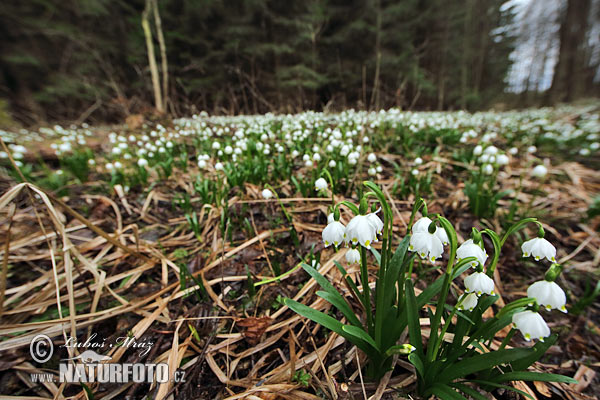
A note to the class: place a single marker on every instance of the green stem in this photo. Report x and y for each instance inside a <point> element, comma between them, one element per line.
<point>445,288</point>
<point>364,276</point>
<point>447,324</point>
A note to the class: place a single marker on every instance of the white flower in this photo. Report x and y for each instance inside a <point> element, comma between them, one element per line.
<point>372,171</point>
<point>361,230</point>
<point>372,158</point>
<point>548,294</point>
<point>531,324</point>
<point>332,164</point>
<point>118,165</point>
<point>376,222</point>
<point>491,150</point>
<point>422,225</point>
<point>426,245</point>
<point>201,164</point>
<point>320,184</point>
<point>531,149</point>
<point>219,166</point>
<point>353,256</point>
<point>418,161</point>
<point>334,233</point>
<point>477,150</point>
<point>539,248</point>
<point>479,283</point>
<point>415,172</point>
<point>488,169</point>
<point>502,159</point>
<point>142,162</point>
<point>469,301</point>
<point>470,249</point>
<point>267,194</point>
<point>539,171</point>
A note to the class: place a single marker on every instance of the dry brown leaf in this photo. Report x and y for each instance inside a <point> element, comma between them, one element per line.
<point>584,376</point>
<point>254,328</point>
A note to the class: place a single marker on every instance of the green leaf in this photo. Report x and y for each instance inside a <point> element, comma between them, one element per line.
<point>332,295</point>
<point>497,385</point>
<point>537,352</point>
<point>340,305</point>
<point>349,281</point>
<point>532,376</point>
<point>331,324</point>
<point>480,362</point>
<point>377,255</point>
<point>412,312</point>
<point>415,360</point>
<point>445,392</point>
<point>468,391</point>
<point>360,334</point>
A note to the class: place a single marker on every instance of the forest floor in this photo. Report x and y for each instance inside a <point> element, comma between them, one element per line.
<point>173,260</point>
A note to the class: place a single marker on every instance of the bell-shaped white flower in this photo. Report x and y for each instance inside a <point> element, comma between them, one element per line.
<point>539,171</point>
<point>470,249</point>
<point>479,283</point>
<point>422,225</point>
<point>376,222</point>
<point>353,256</point>
<point>361,230</point>
<point>426,245</point>
<point>469,301</point>
<point>267,194</point>
<point>548,294</point>
<point>539,248</point>
<point>320,184</point>
<point>531,324</point>
<point>334,233</point>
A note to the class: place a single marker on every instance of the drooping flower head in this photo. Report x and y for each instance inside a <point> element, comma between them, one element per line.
<point>539,248</point>
<point>531,324</point>
<point>334,233</point>
<point>376,222</point>
<point>267,194</point>
<point>353,256</point>
<point>479,283</point>
<point>361,230</point>
<point>548,294</point>
<point>422,225</point>
<point>469,301</point>
<point>425,243</point>
<point>470,249</point>
<point>320,184</point>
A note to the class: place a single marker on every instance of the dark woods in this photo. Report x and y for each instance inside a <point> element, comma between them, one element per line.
<point>89,59</point>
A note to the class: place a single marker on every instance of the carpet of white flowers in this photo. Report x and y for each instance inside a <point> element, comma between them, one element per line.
<point>191,230</point>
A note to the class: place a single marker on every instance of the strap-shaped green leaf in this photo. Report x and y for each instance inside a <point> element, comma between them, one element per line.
<point>332,324</point>
<point>341,305</point>
<point>412,312</point>
<point>532,376</point>
<point>360,334</point>
<point>480,362</point>
<point>445,392</point>
<point>332,296</point>
<point>537,352</point>
<point>468,391</point>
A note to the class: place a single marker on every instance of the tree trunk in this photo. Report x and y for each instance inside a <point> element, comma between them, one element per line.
<point>163,54</point>
<point>151,59</point>
<point>568,80</point>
